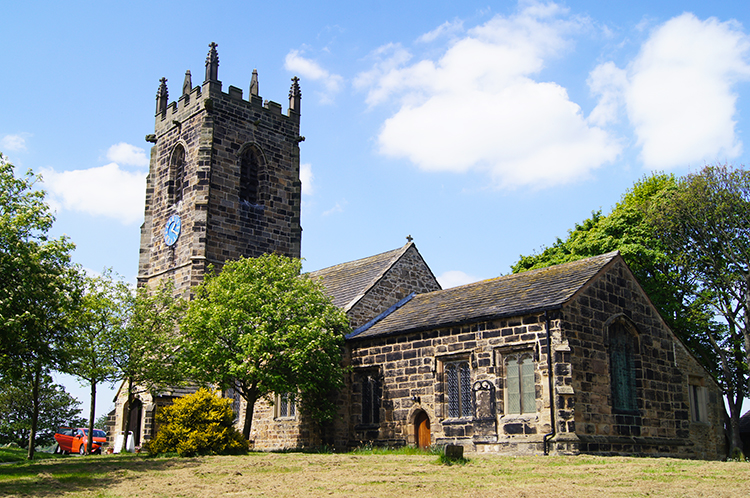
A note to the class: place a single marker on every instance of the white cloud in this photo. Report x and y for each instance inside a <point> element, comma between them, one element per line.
<point>306,177</point>
<point>13,143</point>
<point>678,92</point>
<point>104,191</point>
<point>478,107</point>
<point>448,28</point>
<point>308,68</point>
<point>338,208</point>
<point>127,155</point>
<point>608,82</point>
<point>454,278</point>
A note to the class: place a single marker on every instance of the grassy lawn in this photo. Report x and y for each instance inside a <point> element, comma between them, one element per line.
<point>372,474</point>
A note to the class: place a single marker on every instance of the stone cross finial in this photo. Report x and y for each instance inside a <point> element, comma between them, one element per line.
<point>254,83</point>
<point>162,97</point>
<point>187,85</point>
<point>409,238</point>
<point>212,64</point>
<point>295,95</point>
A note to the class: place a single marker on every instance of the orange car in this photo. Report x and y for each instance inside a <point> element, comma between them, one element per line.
<point>71,440</point>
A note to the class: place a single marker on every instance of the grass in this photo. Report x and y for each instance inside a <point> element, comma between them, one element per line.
<point>371,472</point>
<point>15,454</point>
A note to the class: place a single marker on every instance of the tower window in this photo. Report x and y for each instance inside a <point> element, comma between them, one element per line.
<point>249,166</point>
<point>177,178</point>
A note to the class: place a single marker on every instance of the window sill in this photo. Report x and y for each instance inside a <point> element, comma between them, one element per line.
<point>458,420</point>
<point>366,427</point>
<point>521,417</point>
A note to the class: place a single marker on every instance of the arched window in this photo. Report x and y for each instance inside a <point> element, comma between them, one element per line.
<point>177,174</point>
<point>250,161</point>
<point>623,347</point>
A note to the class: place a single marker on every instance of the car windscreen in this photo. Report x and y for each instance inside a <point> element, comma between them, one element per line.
<point>97,433</point>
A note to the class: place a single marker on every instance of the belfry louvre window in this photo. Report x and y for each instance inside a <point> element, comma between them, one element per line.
<point>520,387</point>
<point>622,349</point>
<point>249,166</point>
<point>458,381</point>
<point>370,399</point>
<point>177,174</point>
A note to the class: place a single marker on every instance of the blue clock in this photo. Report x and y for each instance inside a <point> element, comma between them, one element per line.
<point>172,230</point>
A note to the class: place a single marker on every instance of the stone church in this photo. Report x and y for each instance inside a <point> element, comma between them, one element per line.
<point>564,360</point>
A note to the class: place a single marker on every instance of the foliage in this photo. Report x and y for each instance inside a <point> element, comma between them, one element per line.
<point>104,311</point>
<point>102,422</point>
<point>143,351</point>
<point>259,327</point>
<point>704,226</point>
<point>197,424</point>
<point>628,229</point>
<point>56,408</point>
<point>38,285</point>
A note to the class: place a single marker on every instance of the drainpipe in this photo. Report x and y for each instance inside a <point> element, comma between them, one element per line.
<point>551,385</point>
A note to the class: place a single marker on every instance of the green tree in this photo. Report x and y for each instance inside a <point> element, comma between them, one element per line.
<point>105,308</point>
<point>38,288</point>
<point>143,352</point>
<point>628,229</point>
<point>56,408</point>
<point>260,327</point>
<point>704,226</point>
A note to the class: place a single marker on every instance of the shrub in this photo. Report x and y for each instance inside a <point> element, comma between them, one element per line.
<point>198,424</point>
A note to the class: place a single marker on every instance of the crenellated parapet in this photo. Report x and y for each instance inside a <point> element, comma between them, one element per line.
<point>209,96</point>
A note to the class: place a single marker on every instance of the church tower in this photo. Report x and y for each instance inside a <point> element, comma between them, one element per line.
<point>223,180</point>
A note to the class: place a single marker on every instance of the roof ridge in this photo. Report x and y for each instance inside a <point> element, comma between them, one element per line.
<point>608,255</point>
<point>311,273</point>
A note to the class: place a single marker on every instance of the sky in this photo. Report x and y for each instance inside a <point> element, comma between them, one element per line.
<point>484,130</point>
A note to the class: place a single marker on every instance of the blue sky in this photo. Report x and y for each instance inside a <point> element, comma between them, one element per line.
<point>483,130</point>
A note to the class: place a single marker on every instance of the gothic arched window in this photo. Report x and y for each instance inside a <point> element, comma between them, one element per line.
<point>249,166</point>
<point>623,347</point>
<point>178,182</point>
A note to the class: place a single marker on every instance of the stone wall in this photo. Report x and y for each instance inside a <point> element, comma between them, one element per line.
<point>413,372</point>
<point>664,369</point>
<point>412,368</point>
<point>409,274</point>
<point>270,432</point>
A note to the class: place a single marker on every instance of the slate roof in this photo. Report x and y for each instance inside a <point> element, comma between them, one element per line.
<point>348,282</point>
<point>511,295</point>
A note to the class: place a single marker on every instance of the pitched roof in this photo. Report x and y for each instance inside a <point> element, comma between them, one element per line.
<point>511,295</point>
<point>346,283</point>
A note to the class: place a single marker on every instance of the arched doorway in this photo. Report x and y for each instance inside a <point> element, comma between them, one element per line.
<point>136,411</point>
<point>422,430</point>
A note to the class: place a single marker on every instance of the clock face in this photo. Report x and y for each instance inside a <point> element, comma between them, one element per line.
<point>172,230</point>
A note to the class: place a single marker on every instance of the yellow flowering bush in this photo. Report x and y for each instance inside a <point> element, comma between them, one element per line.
<point>197,424</point>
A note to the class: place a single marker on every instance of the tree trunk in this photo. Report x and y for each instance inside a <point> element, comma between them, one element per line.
<point>35,414</point>
<point>92,414</point>
<point>250,397</point>
<point>131,398</point>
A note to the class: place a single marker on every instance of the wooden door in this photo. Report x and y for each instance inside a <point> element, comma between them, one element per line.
<point>422,430</point>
